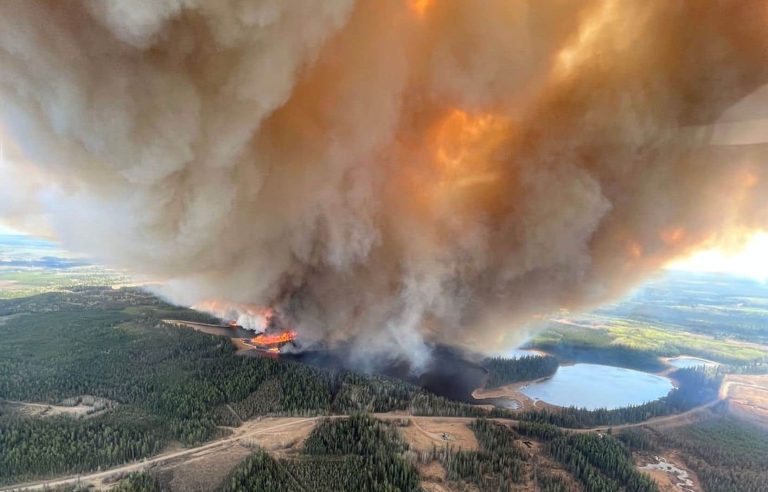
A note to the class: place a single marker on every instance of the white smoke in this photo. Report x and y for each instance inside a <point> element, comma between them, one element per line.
<point>387,173</point>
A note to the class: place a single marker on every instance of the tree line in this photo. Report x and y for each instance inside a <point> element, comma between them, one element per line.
<point>350,454</point>
<point>503,371</point>
<point>598,462</point>
<point>112,344</point>
<point>727,454</point>
<point>696,386</point>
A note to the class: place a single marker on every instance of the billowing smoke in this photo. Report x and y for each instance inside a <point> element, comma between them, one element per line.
<point>388,173</point>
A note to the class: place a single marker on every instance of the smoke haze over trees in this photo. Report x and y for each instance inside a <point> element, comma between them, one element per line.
<point>386,173</point>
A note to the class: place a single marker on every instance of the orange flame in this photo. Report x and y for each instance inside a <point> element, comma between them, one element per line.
<point>279,338</point>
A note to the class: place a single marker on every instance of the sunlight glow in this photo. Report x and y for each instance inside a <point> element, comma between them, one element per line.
<point>750,261</point>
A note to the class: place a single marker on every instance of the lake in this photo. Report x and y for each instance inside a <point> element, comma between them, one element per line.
<point>594,386</point>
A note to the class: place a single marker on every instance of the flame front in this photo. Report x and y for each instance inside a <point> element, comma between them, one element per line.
<point>276,339</point>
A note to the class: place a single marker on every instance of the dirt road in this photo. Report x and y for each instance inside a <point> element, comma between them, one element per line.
<point>250,429</point>
<point>253,428</point>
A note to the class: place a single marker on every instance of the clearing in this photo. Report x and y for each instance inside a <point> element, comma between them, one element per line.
<point>669,472</point>
<point>423,433</point>
<point>75,407</point>
<point>748,397</point>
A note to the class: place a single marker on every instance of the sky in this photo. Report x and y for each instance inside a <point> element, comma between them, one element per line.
<point>751,261</point>
<point>7,230</point>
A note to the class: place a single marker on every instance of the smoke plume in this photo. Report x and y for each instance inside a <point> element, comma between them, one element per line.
<point>388,173</point>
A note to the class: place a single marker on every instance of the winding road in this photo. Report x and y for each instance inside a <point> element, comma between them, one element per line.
<point>252,428</point>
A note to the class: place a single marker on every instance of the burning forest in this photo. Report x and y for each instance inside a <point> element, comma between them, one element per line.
<point>386,174</point>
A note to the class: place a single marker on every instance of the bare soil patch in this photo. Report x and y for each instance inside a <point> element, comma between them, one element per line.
<point>669,471</point>
<point>425,432</point>
<point>285,440</point>
<point>76,408</point>
<point>203,471</point>
<point>513,392</point>
<point>747,397</point>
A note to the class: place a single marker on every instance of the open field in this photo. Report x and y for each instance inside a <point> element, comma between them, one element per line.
<point>669,471</point>
<point>45,410</point>
<point>23,282</point>
<point>207,469</point>
<point>590,332</point>
<point>748,397</point>
<point>283,436</point>
<point>266,430</point>
<point>424,433</point>
<point>718,305</point>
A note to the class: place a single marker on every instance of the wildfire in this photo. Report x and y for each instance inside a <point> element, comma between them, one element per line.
<point>276,339</point>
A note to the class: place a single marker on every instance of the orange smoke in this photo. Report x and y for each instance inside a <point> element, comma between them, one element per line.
<point>387,173</point>
<point>420,7</point>
<point>464,144</point>
<point>672,235</point>
<point>634,249</point>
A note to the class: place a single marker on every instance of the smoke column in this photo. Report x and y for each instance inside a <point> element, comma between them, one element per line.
<point>387,173</point>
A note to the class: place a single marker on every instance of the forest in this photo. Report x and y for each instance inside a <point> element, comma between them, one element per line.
<point>350,454</point>
<point>498,465</point>
<point>139,482</point>
<point>599,462</point>
<point>168,384</point>
<point>727,454</point>
<point>503,371</point>
<point>58,445</point>
<point>178,380</point>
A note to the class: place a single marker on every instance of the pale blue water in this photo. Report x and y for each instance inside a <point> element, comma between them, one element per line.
<point>686,362</point>
<point>594,386</point>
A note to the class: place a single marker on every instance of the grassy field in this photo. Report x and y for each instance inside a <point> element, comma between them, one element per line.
<point>713,304</point>
<point>30,266</point>
<point>604,333</point>
<point>16,283</point>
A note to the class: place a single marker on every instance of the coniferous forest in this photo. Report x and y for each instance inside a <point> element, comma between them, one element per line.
<point>696,386</point>
<point>503,371</point>
<point>727,454</point>
<point>158,385</point>
<point>164,383</point>
<point>340,455</point>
